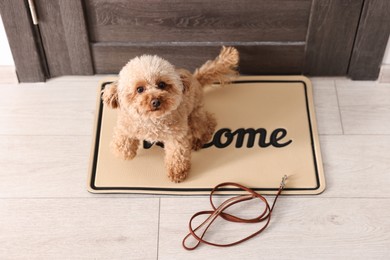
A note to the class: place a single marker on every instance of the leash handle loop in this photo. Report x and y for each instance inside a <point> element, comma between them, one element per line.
<point>264,216</point>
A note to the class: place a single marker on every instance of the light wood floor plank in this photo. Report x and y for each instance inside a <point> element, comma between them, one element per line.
<point>364,106</point>
<point>65,106</point>
<point>301,228</point>
<point>78,228</point>
<point>44,166</point>
<point>43,109</point>
<point>56,166</point>
<point>326,106</point>
<point>356,165</point>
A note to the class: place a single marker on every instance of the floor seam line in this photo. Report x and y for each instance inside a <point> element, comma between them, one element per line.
<point>339,107</point>
<point>158,226</point>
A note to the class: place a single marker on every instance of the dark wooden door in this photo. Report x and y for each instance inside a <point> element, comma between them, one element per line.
<point>270,35</point>
<point>312,37</point>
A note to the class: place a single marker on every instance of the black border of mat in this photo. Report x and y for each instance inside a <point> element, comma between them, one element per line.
<point>113,189</point>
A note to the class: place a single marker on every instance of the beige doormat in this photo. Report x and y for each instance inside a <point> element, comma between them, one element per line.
<point>266,129</point>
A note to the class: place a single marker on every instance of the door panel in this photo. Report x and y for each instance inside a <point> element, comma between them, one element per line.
<point>270,35</point>
<point>371,40</point>
<point>331,36</point>
<point>64,37</point>
<point>197,20</point>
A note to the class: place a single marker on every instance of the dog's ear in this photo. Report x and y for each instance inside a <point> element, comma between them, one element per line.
<point>186,78</point>
<point>110,95</point>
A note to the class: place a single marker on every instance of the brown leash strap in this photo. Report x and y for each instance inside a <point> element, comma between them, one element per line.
<point>219,212</point>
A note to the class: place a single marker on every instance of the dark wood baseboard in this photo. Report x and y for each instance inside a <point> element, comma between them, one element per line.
<point>255,59</point>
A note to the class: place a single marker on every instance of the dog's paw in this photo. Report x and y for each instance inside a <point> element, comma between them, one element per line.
<point>124,154</point>
<point>197,143</point>
<point>125,149</point>
<point>178,172</point>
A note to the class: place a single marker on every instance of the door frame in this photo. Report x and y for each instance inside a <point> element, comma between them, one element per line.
<point>57,44</point>
<point>23,40</point>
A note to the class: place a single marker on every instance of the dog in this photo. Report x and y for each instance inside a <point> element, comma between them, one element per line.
<point>157,102</point>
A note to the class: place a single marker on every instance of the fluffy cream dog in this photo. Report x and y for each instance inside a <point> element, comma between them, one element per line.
<point>158,103</point>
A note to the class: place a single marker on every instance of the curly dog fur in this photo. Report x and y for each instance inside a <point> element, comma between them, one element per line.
<point>157,102</point>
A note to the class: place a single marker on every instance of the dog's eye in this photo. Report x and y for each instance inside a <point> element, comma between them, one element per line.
<point>161,85</point>
<point>140,89</point>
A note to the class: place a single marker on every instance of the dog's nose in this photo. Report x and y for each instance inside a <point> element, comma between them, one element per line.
<point>155,103</point>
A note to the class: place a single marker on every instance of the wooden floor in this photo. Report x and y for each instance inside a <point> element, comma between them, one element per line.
<point>47,213</point>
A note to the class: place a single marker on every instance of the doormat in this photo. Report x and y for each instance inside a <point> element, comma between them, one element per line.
<point>266,129</point>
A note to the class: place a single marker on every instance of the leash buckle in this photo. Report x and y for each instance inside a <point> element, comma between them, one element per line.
<point>283,182</point>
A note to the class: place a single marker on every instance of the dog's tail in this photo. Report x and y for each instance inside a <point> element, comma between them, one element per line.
<point>222,69</point>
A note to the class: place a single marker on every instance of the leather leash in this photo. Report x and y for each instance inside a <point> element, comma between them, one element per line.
<point>219,212</point>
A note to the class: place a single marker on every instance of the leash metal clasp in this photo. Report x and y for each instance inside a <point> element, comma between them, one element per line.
<point>283,182</point>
